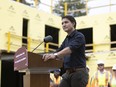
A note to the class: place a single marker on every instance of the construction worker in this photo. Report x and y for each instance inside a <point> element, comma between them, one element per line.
<point>113,80</point>
<point>55,78</point>
<point>92,81</point>
<point>101,76</point>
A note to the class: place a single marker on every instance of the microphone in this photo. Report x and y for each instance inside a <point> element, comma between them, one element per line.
<point>47,39</point>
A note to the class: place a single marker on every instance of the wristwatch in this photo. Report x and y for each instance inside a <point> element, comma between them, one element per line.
<point>56,55</point>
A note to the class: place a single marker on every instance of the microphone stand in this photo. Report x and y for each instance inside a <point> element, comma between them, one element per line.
<point>37,46</point>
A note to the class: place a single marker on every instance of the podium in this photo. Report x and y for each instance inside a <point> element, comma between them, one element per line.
<point>37,71</point>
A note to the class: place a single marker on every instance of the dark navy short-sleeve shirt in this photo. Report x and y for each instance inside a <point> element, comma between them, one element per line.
<point>76,42</point>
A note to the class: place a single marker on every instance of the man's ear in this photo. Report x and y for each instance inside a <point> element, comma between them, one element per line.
<point>73,23</point>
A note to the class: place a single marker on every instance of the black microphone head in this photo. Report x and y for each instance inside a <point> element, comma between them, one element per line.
<point>48,38</point>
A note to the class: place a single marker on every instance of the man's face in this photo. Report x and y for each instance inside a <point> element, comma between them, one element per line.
<point>114,70</point>
<point>56,74</point>
<point>67,25</point>
<point>100,66</point>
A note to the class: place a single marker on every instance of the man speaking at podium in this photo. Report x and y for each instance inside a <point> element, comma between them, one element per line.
<point>72,52</point>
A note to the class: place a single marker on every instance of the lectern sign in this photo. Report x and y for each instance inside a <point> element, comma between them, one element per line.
<point>20,59</point>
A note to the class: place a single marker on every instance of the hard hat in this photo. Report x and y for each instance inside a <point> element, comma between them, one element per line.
<point>100,62</point>
<point>114,67</point>
<point>87,66</point>
<point>57,70</point>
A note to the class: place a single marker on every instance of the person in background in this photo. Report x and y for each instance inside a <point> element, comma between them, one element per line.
<point>101,76</point>
<point>92,81</point>
<point>55,78</point>
<point>72,52</point>
<point>113,80</point>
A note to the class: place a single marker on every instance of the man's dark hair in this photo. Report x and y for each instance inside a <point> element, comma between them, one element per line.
<point>71,18</point>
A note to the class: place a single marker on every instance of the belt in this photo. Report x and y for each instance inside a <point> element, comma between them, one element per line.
<point>71,70</point>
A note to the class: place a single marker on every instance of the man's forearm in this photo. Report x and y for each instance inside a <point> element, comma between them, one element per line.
<point>64,52</point>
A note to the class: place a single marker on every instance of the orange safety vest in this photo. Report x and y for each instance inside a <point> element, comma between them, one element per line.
<point>92,81</point>
<point>88,85</point>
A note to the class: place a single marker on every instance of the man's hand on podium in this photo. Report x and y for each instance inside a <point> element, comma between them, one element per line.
<point>46,57</point>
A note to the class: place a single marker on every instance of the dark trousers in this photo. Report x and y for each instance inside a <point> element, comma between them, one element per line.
<point>78,78</point>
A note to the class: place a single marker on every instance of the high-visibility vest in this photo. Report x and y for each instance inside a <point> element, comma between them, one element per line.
<point>102,78</point>
<point>56,81</point>
<point>113,82</point>
<point>92,81</point>
<point>88,85</point>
